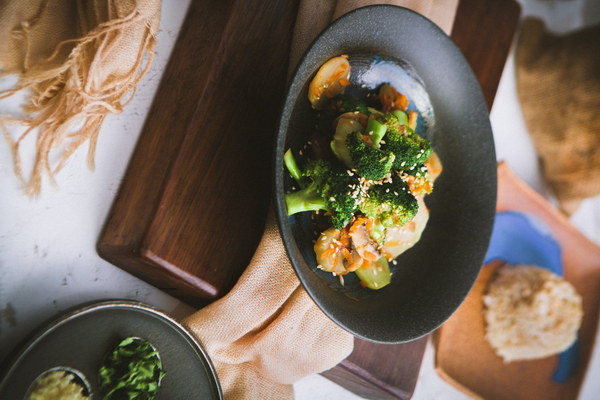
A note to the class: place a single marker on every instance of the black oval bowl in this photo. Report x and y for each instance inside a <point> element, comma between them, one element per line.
<point>430,280</point>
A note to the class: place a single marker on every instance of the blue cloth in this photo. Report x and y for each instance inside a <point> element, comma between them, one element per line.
<point>519,238</point>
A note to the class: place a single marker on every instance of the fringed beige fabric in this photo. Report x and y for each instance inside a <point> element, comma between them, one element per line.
<point>79,61</point>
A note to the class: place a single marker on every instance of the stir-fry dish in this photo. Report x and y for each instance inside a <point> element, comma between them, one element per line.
<point>366,171</point>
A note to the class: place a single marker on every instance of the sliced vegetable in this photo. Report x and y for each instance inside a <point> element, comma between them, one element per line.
<point>376,130</point>
<point>346,124</point>
<point>329,81</point>
<point>292,166</point>
<point>376,275</point>
<point>401,116</point>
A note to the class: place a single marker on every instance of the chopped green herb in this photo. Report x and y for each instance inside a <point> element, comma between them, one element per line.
<point>132,371</point>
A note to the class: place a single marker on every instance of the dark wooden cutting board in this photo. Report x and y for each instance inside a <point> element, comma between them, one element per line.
<point>193,202</point>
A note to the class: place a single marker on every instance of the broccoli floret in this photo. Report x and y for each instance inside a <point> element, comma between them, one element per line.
<point>391,203</point>
<point>343,103</point>
<point>342,192</point>
<point>311,180</point>
<point>369,162</point>
<point>411,150</point>
<point>326,186</point>
<point>394,121</point>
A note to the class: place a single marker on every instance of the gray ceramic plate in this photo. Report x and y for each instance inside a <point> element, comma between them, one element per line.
<point>393,44</point>
<point>81,339</point>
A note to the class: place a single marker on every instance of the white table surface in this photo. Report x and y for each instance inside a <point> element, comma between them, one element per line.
<point>48,261</point>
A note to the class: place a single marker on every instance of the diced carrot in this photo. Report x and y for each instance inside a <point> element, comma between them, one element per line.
<point>369,256</point>
<point>345,237</point>
<point>401,101</point>
<point>368,140</point>
<point>412,118</point>
<point>357,223</point>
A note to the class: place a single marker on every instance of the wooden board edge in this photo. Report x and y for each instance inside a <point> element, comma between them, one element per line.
<point>361,382</point>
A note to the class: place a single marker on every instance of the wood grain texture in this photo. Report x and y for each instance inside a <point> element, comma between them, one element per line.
<point>484,30</point>
<point>189,213</point>
<point>463,355</point>
<point>191,208</point>
<point>379,371</point>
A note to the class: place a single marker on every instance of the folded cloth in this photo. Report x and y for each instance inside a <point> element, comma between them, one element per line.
<point>314,16</point>
<point>266,333</point>
<point>558,84</point>
<point>80,60</point>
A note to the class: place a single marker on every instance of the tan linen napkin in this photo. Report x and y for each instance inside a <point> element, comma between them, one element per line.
<point>558,84</point>
<point>314,16</point>
<point>80,61</point>
<point>266,333</point>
